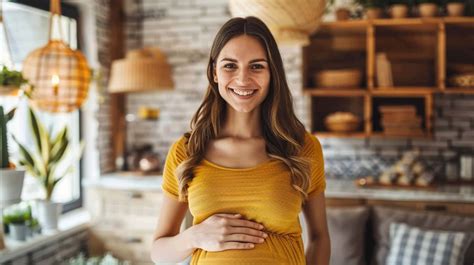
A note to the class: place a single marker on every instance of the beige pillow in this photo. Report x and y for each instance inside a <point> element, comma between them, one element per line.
<point>384,216</point>
<point>347,227</point>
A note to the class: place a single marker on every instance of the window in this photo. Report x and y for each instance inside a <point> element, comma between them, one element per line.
<point>27,24</point>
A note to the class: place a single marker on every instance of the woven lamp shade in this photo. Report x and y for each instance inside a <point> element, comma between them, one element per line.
<point>291,21</point>
<point>141,70</point>
<point>71,69</point>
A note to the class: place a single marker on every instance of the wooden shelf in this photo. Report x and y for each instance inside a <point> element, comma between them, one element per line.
<point>459,90</point>
<point>335,92</point>
<point>419,50</point>
<point>404,91</point>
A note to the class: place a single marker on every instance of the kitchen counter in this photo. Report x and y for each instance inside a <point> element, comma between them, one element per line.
<point>345,189</point>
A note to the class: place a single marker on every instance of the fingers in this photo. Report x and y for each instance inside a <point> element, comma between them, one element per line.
<point>236,245</point>
<point>243,238</point>
<point>248,231</point>
<point>245,223</point>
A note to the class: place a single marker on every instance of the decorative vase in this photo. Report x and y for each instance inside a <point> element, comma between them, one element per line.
<point>48,214</point>
<point>373,12</point>
<point>18,231</point>
<point>11,185</point>
<point>428,9</point>
<point>399,11</point>
<point>342,14</point>
<point>455,9</point>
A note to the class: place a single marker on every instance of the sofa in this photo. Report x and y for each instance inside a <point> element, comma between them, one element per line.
<point>362,234</point>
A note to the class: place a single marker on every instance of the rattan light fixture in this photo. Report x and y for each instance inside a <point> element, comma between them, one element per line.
<point>291,21</point>
<point>59,74</point>
<point>145,69</point>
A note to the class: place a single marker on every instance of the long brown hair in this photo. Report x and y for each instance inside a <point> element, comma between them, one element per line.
<point>283,132</point>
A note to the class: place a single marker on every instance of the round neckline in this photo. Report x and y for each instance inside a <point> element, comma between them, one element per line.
<point>239,169</point>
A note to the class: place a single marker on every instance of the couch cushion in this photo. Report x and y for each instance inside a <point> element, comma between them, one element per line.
<point>412,245</point>
<point>347,226</point>
<point>384,216</point>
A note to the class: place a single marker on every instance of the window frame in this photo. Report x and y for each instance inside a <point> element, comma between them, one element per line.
<point>70,11</point>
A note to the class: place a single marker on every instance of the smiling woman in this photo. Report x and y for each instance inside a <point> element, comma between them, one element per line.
<point>247,168</point>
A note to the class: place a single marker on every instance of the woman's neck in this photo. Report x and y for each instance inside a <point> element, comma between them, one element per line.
<point>242,125</point>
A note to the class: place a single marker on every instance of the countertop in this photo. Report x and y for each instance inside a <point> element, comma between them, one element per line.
<point>334,189</point>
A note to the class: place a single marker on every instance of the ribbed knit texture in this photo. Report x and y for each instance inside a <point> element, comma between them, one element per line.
<point>262,193</point>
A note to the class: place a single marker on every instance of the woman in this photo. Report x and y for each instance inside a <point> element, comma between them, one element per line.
<point>247,167</point>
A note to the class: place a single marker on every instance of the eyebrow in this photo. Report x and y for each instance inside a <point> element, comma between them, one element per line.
<point>251,61</point>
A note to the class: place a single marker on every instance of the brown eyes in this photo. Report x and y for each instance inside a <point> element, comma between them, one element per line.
<point>231,66</point>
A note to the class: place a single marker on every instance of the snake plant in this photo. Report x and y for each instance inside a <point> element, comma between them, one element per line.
<point>49,153</point>
<point>4,158</point>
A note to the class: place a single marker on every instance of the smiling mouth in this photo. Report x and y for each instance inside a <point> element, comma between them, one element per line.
<point>243,92</point>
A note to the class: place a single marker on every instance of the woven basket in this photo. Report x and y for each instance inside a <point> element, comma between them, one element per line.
<point>57,59</point>
<point>348,123</point>
<point>341,78</point>
<point>342,126</point>
<point>291,21</point>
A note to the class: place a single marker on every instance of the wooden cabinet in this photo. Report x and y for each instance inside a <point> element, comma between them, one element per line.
<point>123,222</point>
<point>422,54</point>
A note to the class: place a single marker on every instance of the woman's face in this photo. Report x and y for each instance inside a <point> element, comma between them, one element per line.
<point>242,73</point>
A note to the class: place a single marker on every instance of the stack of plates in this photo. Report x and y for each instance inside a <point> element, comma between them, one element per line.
<point>400,120</point>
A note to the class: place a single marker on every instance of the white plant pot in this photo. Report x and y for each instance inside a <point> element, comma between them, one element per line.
<point>11,184</point>
<point>48,214</point>
<point>18,231</point>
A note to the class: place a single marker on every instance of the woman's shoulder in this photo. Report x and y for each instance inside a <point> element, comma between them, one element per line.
<point>311,145</point>
<point>178,148</point>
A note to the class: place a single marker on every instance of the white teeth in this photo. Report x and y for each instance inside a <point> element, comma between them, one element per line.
<point>243,92</point>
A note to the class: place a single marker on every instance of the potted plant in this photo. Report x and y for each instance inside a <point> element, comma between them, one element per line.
<point>11,178</point>
<point>44,165</point>
<point>373,8</point>
<point>427,8</point>
<point>17,217</point>
<point>399,8</point>
<point>455,8</point>
<point>10,81</point>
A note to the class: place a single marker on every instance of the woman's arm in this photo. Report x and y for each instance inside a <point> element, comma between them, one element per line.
<point>319,248</point>
<point>170,245</point>
<point>219,232</point>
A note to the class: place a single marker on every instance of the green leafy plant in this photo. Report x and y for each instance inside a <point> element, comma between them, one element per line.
<point>50,153</point>
<point>11,78</point>
<point>371,3</point>
<point>18,214</point>
<point>4,119</point>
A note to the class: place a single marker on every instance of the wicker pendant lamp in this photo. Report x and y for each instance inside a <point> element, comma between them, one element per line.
<point>141,70</point>
<point>60,75</point>
<point>291,21</point>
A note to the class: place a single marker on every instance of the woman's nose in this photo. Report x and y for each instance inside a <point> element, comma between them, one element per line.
<point>243,77</point>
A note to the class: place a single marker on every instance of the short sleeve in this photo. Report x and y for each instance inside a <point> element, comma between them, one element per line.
<point>314,152</point>
<point>176,155</point>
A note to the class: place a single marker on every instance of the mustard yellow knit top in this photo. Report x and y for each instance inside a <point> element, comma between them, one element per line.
<point>262,193</point>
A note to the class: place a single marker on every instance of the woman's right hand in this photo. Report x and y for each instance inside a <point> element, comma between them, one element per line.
<point>226,231</point>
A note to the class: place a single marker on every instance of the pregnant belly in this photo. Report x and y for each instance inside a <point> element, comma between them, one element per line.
<point>277,249</point>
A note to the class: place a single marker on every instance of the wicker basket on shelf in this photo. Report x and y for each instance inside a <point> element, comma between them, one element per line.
<point>343,122</point>
<point>340,78</point>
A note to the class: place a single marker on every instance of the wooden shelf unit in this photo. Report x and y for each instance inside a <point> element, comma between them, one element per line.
<point>419,49</point>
